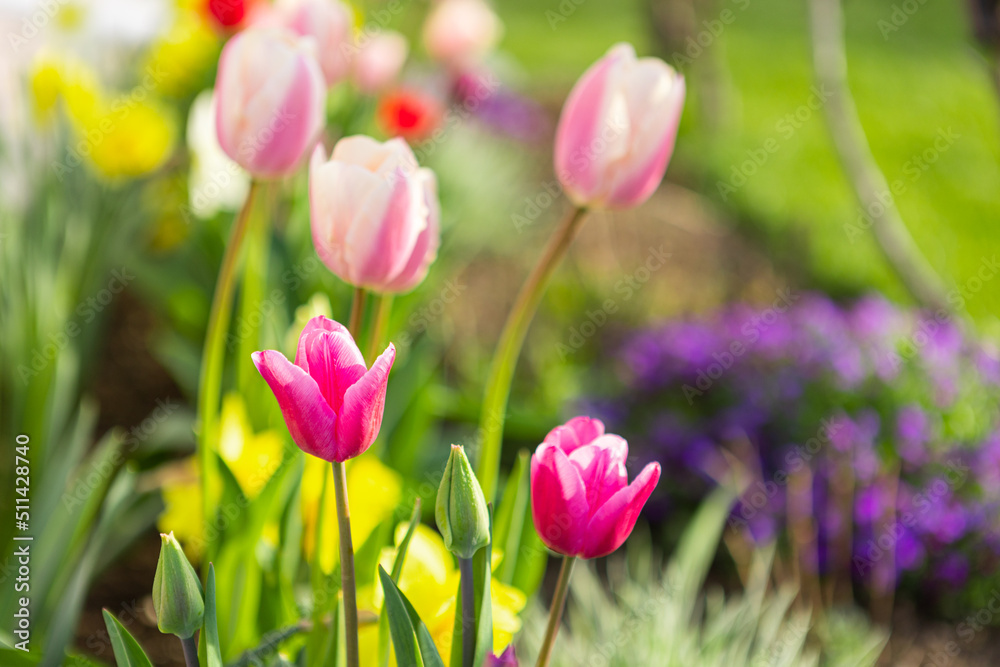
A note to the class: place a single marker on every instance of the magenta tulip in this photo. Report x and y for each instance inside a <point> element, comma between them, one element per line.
<point>270,100</point>
<point>580,497</point>
<point>332,403</point>
<point>374,213</point>
<point>617,130</point>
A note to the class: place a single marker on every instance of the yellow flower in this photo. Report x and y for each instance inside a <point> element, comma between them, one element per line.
<point>182,510</point>
<point>180,62</point>
<point>373,491</point>
<point>252,457</point>
<point>131,137</point>
<point>430,581</point>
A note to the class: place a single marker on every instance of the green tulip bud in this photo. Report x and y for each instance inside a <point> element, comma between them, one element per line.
<point>461,512</point>
<point>177,596</point>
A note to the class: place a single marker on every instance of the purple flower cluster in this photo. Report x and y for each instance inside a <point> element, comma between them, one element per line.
<point>876,424</point>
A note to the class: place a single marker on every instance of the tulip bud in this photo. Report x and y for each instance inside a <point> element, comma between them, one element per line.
<point>270,99</point>
<point>461,512</point>
<point>617,130</point>
<point>177,596</point>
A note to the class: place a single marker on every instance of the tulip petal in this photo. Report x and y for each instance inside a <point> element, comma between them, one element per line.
<point>588,116</point>
<point>575,433</point>
<point>602,468</point>
<point>612,523</point>
<point>360,417</point>
<point>558,500</point>
<point>311,421</point>
<point>318,323</point>
<point>426,246</point>
<point>382,249</point>
<point>335,363</point>
<point>653,137</point>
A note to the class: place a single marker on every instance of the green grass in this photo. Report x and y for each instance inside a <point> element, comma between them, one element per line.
<point>909,85</point>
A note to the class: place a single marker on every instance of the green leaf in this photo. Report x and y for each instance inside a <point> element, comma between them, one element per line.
<point>397,570</point>
<point>400,625</point>
<point>128,653</point>
<point>12,657</point>
<point>210,631</point>
<point>428,652</point>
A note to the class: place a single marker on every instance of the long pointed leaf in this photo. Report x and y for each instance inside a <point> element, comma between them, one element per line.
<point>128,653</point>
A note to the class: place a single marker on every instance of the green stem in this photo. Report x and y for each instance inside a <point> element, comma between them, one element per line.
<point>509,349</point>
<point>347,584</point>
<point>214,352</point>
<point>468,586</point>
<point>357,312</point>
<point>555,615</point>
<point>190,646</point>
<point>383,307</point>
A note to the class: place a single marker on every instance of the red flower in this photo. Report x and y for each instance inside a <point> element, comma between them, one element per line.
<point>227,13</point>
<point>410,114</point>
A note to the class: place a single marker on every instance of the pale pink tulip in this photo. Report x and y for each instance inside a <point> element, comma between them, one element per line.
<point>330,23</point>
<point>581,501</point>
<point>379,61</point>
<point>617,130</point>
<point>374,213</point>
<point>460,32</point>
<point>270,100</point>
<point>331,401</point>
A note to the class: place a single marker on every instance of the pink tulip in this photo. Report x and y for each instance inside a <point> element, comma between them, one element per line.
<point>460,32</point>
<point>580,497</point>
<point>270,101</point>
<point>332,403</point>
<point>617,130</point>
<point>330,23</point>
<point>379,61</point>
<point>374,213</point>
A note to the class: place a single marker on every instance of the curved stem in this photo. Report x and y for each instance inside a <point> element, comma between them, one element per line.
<point>214,352</point>
<point>509,349</point>
<point>468,587</point>
<point>383,307</point>
<point>555,614</point>
<point>347,583</point>
<point>866,179</point>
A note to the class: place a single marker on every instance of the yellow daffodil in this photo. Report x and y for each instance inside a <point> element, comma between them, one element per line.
<point>252,457</point>
<point>373,490</point>
<point>429,579</point>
